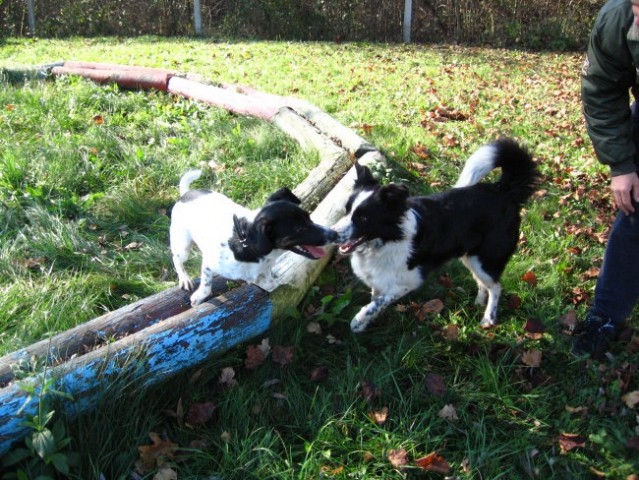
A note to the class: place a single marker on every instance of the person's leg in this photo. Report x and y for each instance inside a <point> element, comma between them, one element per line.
<point>617,289</point>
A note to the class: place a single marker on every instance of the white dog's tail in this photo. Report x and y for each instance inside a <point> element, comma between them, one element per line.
<point>478,165</point>
<point>187,179</point>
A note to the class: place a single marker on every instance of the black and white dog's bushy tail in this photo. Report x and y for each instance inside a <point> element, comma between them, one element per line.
<point>520,177</point>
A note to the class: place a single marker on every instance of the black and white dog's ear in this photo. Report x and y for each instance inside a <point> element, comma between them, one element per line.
<point>364,176</point>
<point>394,196</point>
<point>283,194</point>
<point>259,237</point>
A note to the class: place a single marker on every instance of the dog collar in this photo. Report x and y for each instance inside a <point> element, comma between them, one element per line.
<point>241,235</point>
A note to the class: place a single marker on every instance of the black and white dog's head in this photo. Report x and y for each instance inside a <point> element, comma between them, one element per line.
<point>280,224</point>
<point>373,213</point>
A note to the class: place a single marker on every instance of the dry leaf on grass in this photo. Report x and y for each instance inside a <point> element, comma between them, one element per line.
<point>152,455</point>
<point>227,377</point>
<point>200,413</point>
<point>448,413</point>
<point>319,374</point>
<point>533,326</point>
<point>530,278</point>
<point>398,458</point>
<point>451,332</point>
<point>432,306</point>
<point>379,416</point>
<point>254,357</point>
<point>283,355</point>
<point>570,441</point>
<point>165,473</point>
<point>568,320</point>
<point>314,327</point>
<point>532,358</point>
<point>433,463</point>
<point>369,391</point>
<point>631,399</point>
<point>435,384</point>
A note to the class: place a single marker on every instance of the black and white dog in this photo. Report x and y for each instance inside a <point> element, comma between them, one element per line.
<point>395,240</point>
<point>238,243</point>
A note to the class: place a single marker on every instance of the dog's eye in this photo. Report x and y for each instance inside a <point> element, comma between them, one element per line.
<point>360,219</point>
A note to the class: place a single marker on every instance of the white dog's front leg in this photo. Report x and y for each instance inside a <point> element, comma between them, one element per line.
<point>371,311</point>
<point>184,280</point>
<point>204,290</point>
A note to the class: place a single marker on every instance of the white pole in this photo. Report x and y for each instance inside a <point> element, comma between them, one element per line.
<point>408,19</point>
<point>197,17</point>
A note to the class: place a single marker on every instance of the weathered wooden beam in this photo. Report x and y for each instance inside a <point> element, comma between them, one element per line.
<point>101,330</point>
<point>147,356</point>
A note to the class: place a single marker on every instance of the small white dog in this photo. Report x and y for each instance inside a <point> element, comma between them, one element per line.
<point>238,243</point>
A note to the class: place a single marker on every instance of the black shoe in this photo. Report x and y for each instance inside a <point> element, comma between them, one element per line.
<point>593,336</point>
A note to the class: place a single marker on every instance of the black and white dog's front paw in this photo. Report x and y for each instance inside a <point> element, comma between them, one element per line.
<point>361,321</point>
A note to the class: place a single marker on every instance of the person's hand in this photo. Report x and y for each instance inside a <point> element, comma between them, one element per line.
<point>625,190</point>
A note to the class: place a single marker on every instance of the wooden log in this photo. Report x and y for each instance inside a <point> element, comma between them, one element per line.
<point>17,75</point>
<point>113,325</point>
<point>334,161</point>
<point>234,102</point>
<point>144,79</point>
<point>147,356</point>
<point>342,136</point>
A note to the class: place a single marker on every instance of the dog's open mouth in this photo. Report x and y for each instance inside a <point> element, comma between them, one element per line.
<point>308,251</point>
<point>348,247</point>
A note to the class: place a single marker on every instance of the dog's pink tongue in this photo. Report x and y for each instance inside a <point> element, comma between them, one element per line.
<point>317,252</point>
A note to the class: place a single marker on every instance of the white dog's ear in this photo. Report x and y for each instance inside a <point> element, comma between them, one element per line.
<point>364,176</point>
<point>283,194</point>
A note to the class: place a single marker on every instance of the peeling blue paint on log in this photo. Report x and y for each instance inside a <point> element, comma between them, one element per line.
<point>147,356</point>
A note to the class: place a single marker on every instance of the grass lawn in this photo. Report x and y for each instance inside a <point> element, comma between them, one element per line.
<point>89,173</point>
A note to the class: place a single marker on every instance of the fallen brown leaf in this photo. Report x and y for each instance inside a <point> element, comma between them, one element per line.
<point>435,384</point>
<point>568,320</point>
<point>448,413</point>
<point>451,332</point>
<point>631,399</point>
<point>227,377</point>
<point>150,455</point>
<point>398,458</point>
<point>570,441</point>
<point>530,278</point>
<point>319,374</point>
<point>200,413</point>
<point>283,355</point>
<point>379,416</point>
<point>433,463</point>
<point>370,391</point>
<point>254,357</point>
<point>432,306</point>
<point>532,358</point>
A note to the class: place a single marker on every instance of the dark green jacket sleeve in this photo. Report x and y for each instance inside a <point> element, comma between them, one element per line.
<point>607,76</point>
